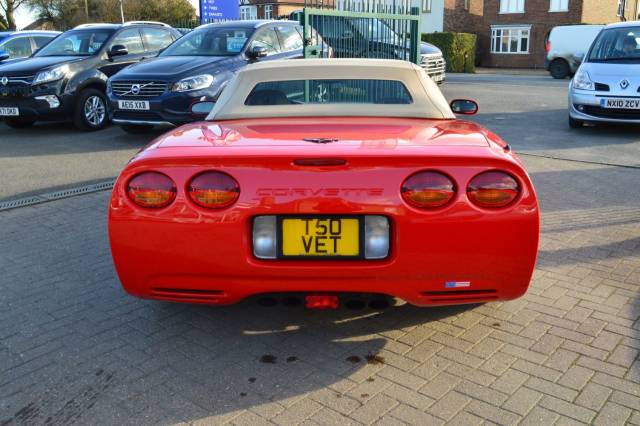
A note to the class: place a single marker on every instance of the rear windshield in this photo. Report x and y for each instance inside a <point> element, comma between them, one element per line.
<point>621,45</point>
<point>329,92</point>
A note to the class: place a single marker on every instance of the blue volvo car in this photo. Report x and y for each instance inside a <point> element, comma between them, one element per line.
<point>160,90</point>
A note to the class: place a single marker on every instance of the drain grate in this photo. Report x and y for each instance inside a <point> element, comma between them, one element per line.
<point>56,195</point>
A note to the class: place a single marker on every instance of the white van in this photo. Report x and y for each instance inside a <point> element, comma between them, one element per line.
<point>566,45</point>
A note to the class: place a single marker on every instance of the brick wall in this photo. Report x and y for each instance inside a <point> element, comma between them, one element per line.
<point>459,19</point>
<point>541,20</point>
<point>482,14</point>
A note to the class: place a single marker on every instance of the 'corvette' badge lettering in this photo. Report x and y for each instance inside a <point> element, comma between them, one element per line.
<point>318,192</point>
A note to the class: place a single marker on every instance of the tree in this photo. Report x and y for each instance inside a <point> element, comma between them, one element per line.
<point>66,14</point>
<point>3,24</point>
<point>8,7</point>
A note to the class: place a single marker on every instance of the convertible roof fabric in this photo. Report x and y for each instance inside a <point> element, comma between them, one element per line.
<point>428,101</point>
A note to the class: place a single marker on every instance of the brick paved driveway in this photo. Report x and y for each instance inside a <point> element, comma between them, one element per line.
<point>75,348</point>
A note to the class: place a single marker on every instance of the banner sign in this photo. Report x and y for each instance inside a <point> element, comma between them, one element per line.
<point>218,10</point>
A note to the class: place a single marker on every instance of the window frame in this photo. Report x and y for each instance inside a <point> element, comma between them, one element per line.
<point>520,28</point>
<point>253,12</point>
<point>426,6</point>
<point>268,7</point>
<point>560,3</point>
<point>507,10</point>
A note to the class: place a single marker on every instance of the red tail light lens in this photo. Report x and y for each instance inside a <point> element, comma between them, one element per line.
<point>152,190</point>
<point>547,46</point>
<point>428,190</point>
<point>213,190</point>
<point>493,189</point>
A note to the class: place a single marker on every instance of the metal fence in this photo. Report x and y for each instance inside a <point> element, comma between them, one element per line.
<point>362,29</point>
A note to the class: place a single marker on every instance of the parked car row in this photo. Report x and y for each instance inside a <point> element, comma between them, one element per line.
<point>143,74</point>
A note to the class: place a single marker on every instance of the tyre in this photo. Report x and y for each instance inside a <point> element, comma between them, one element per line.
<point>18,123</point>
<point>559,68</point>
<point>91,110</point>
<point>575,124</point>
<point>136,129</point>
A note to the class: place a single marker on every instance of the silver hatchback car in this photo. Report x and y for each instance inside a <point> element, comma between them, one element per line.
<point>606,87</point>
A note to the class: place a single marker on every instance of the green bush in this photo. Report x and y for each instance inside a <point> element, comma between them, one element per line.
<point>454,46</point>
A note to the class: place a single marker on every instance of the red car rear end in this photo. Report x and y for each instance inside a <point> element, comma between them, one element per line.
<point>459,211</point>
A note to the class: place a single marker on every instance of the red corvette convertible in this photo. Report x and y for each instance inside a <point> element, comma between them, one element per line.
<point>326,177</point>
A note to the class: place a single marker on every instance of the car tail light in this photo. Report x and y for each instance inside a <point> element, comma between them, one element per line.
<point>152,190</point>
<point>427,190</point>
<point>213,190</point>
<point>547,46</point>
<point>493,189</point>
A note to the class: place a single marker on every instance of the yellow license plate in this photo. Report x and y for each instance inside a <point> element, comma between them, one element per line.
<point>321,236</point>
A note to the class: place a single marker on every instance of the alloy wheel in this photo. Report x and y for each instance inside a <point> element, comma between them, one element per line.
<point>94,110</point>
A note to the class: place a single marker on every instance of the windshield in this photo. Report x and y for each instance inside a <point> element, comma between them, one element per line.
<point>210,42</point>
<point>616,45</point>
<point>76,43</point>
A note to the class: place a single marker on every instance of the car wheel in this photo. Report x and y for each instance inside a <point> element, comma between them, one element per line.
<point>91,110</point>
<point>18,123</point>
<point>575,124</point>
<point>559,69</point>
<point>136,129</point>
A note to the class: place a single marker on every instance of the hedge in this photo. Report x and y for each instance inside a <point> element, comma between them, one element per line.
<point>454,46</point>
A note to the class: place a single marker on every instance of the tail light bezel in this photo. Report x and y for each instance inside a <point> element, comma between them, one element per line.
<point>190,197</point>
<point>167,203</point>
<point>511,203</point>
<point>439,207</point>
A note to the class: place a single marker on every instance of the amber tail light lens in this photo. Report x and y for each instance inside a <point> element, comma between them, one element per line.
<point>428,190</point>
<point>213,190</point>
<point>493,189</point>
<point>151,190</point>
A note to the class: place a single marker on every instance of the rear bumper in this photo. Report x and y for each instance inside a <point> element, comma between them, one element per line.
<point>184,253</point>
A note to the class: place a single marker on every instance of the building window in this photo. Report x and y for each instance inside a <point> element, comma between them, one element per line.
<point>426,6</point>
<point>512,40</point>
<point>622,5</point>
<point>511,6</point>
<point>559,6</point>
<point>268,11</point>
<point>248,12</point>
<point>466,4</point>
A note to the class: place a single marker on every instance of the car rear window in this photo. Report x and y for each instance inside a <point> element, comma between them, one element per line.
<point>291,92</point>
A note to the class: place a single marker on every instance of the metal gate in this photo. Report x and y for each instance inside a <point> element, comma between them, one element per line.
<point>386,29</point>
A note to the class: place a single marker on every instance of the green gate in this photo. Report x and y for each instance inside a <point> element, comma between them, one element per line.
<point>361,29</point>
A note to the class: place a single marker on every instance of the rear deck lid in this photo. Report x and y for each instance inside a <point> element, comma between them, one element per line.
<point>343,132</point>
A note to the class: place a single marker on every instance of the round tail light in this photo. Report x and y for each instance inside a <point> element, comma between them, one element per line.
<point>493,189</point>
<point>152,190</point>
<point>213,190</point>
<point>428,190</point>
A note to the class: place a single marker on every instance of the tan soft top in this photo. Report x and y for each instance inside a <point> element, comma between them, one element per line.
<point>428,101</point>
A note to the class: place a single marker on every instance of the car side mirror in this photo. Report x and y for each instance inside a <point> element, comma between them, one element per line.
<point>118,50</point>
<point>464,106</point>
<point>580,57</point>
<point>257,52</point>
<point>4,55</point>
<point>201,109</point>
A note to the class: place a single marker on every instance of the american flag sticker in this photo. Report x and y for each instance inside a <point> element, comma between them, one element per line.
<point>457,284</point>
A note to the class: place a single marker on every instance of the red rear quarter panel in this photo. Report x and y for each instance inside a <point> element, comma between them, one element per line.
<point>184,252</point>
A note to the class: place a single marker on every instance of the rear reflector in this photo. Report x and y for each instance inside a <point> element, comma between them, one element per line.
<point>151,190</point>
<point>428,189</point>
<point>214,190</point>
<point>493,189</point>
<point>318,301</point>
